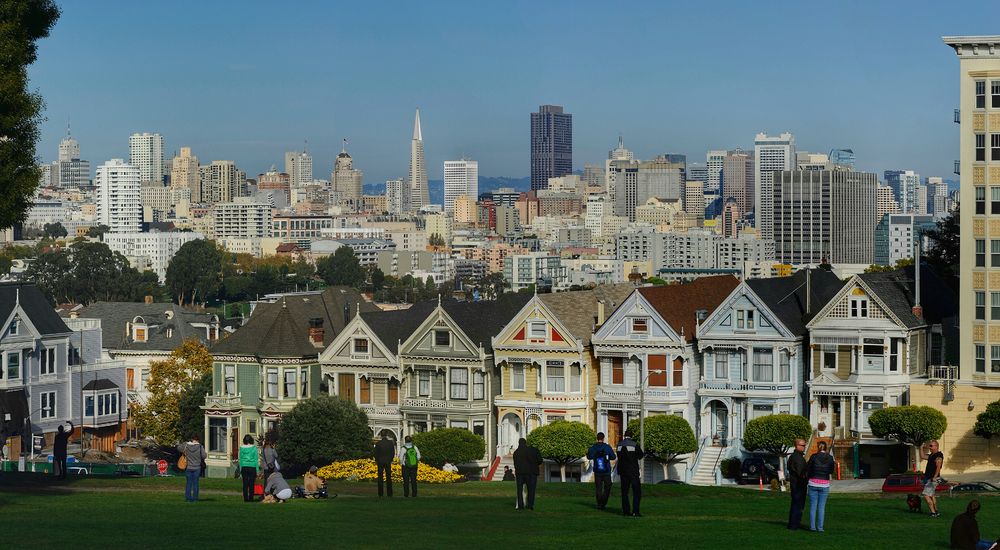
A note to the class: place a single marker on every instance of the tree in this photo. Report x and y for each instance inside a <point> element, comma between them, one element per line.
<point>667,437</point>
<point>98,231</point>
<point>562,442</point>
<point>24,22</point>
<point>492,286</point>
<point>435,240</point>
<point>376,279</point>
<point>942,255</point>
<point>54,230</point>
<point>909,424</point>
<point>194,271</point>
<point>341,268</point>
<point>455,445</point>
<point>900,264</point>
<point>323,430</point>
<point>775,434</point>
<point>160,418</point>
<point>191,417</point>
<point>988,422</point>
<point>86,272</point>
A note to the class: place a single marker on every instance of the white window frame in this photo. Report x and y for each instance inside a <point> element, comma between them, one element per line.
<point>226,379</point>
<point>47,361</point>
<point>644,322</point>
<point>423,383</point>
<point>575,378</point>
<point>458,385</point>
<point>534,327</point>
<point>478,385</point>
<point>517,377</point>
<point>47,403</point>
<point>555,383</point>
<point>822,357</point>
<point>285,394</point>
<point>272,384</point>
<point>859,307</point>
<point>14,327</point>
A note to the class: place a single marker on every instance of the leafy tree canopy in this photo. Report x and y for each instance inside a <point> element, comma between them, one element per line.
<point>561,441</point>
<point>667,437</point>
<point>88,272</point>
<point>161,418</point>
<point>54,230</point>
<point>191,417</point>
<point>341,268</point>
<point>194,271</point>
<point>944,245</point>
<point>988,422</point>
<point>454,445</point>
<point>910,424</point>
<point>776,433</point>
<point>322,430</point>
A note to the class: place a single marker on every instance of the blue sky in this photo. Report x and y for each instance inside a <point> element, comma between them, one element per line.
<point>248,80</point>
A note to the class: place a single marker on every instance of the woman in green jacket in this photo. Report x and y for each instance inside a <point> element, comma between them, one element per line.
<point>249,464</point>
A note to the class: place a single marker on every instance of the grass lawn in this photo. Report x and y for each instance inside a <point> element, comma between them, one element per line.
<point>151,513</point>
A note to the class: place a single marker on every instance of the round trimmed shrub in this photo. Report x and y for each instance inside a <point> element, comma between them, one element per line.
<point>454,445</point>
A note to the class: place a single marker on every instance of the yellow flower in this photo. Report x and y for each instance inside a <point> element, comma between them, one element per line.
<point>365,470</point>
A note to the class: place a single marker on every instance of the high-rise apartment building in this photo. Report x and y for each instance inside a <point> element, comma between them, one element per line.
<point>347,181</point>
<point>713,162</point>
<point>299,167</point>
<point>730,218</point>
<point>461,177</point>
<point>145,152</point>
<point>896,234</point>
<point>221,181</point>
<point>417,178</point>
<point>694,200</point>
<point>551,145</point>
<point>824,214</point>
<point>770,154</point>
<point>70,170</point>
<point>185,172</point>
<point>243,218</point>
<point>397,196</point>
<point>885,202</point>
<point>904,184</point>
<point>937,190</point>
<point>737,179</point>
<point>921,200</point>
<point>119,201</point>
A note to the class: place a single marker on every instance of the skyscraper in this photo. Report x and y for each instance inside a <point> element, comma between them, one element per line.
<point>713,161</point>
<point>885,202</point>
<point>185,173</point>
<point>347,181</point>
<point>904,184</point>
<point>221,181</point>
<point>69,148</point>
<point>551,145</point>
<point>461,177</point>
<point>770,153</point>
<point>119,201</point>
<point>843,157</point>
<point>277,182</point>
<point>694,200</point>
<point>145,152</point>
<point>730,218</point>
<point>70,170</point>
<point>417,179</point>
<point>737,178</point>
<point>299,167</point>
<point>397,196</point>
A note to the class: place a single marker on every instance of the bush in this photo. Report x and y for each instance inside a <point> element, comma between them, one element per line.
<point>563,442</point>
<point>321,430</point>
<point>776,433</point>
<point>909,424</point>
<point>667,437</point>
<point>730,467</point>
<point>454,445</point>
<point>988,421</point>
<point>365,470</point>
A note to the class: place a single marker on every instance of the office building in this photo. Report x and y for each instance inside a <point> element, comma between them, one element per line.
<point>714,161</point>
<point>904,184</point>
<point>417,178</point>
<point>885,199</point>
<point>185,172</point>
<point>551,145</point>
<point>273,181</point>
<point>737,179</point>
<point>770,154</point>
<point>593,176</point>
<point>660,177</point>
<point>150,251</point>
<point>461,177</point>
<point>730,218</point>
<point>119,203</point>
<point>843,158</point>
<point>696,172</point>
<point>505,196</point>
<point>70,170</point>
<point>299,167</point>
<point>895,237</point>
<point>694,200</point>
<point>937,200</point>
<point>347,181</point>
<point>145,152</point>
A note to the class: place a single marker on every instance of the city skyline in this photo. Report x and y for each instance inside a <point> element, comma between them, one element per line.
<point>236,100</point>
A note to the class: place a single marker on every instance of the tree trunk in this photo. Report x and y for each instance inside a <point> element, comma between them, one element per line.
<point>666,473</point>
<point>562,472</point>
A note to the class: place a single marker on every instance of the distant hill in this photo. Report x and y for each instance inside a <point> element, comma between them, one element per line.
<point>486,183</point>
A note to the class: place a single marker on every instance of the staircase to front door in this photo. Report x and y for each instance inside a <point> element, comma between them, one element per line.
<point>707,464</point>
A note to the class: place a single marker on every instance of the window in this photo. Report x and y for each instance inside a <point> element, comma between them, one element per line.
<point>994,359</point>
<point>656,363</point>
<point>617,370</point>
<point>995,306</point>
<point>424,383</point>
<point>88,406</point>
<point>442,338</point>
<point>463,424</point>
<point>252,426</point>
<point>478,385</point>
<point>980,305</point>
<point>361,346</point>
<point>365,393</point>
<point>144,378</point>
<point>981,200</point>
<point>980,147</point>
<point>345,386</point>
<point>678,381</point>
<point>217,428</point>
<point>107,403</point>
<point>517,377</point>
<point>763,365</point>
<point>48,404</point>
<point>980,358</point>
<point>785,366</point>
<point>459,383</point>
<point>47,358</point>
<point>859,307</point>
<point>574,378</point>
<point>830,357</point>
<point>640,325</point>
<point>536,330</point>
<point>393,393</point>
<point>980,252</point>
<point>14,325</point>
<point>745,319</point>
<point>722,365</point>
<point>130,379</point>
<point>479,428</point>
<point>13,366</point>
<point>272,383</point>
<point>230,379</point>
<point>995,93</point>
<point>869,404</point>
<point>980,94</point>
<point>555,377</point>
<point>994,146</point>
<point>304,382</point>
<point>289,383</point>
<point>893,355</point>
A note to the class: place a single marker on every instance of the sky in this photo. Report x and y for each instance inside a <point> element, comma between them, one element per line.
<point>247,81</point>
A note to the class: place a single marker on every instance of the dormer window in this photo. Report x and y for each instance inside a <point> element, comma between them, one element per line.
<point>361,346</point>
<point>442,338</point>
<point>745,319</point>
<point>140,331</point>
<point>859,307</point>
<point>536,330</point>
<point>14,326</point>
<point>640,325</point>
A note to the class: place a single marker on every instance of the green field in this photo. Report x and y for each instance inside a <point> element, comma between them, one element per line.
<point>151,513</point>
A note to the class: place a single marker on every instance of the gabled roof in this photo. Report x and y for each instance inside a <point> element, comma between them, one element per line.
<point>395,326</point>
<point>678,304</point>
<point>159,317</point>
<point>786,296</point>
<point>896,290</point>
<point>40,312</point>
<point>577,309</point>
<point>281,329</point>
<point>480,321</point>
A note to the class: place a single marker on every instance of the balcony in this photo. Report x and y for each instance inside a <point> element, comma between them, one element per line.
<point>742,388</point>
<point>224,402</point>
<point>957,169</point>
<point>381,412</point>
<point>958,116</point>
<point>442,404</point>
<point>942,373</point>
<point>631,395</point>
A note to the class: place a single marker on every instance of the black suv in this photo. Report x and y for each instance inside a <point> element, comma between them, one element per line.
<point>756,467</point>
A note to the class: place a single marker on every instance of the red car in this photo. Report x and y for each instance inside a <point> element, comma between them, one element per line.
<point>908,483</point>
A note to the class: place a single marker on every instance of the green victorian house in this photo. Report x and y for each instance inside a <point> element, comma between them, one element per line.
<point>269,365</point>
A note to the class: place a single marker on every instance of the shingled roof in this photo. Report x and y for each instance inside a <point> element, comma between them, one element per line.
<point>480,321</point>
<point>35,305</point>
<point>678,304</point>
<point>896,290</point>
<point>395,326</point>
<point>281,329</point>
<point>786,296</point>
<point>168,325</point>
<point>577,309</point>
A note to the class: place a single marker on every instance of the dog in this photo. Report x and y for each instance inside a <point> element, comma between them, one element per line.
<point>914,502</point>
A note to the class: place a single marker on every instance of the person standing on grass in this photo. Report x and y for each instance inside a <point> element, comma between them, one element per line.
<point>629,454</point>
<point>527,459</point>
<point>820,467</point>
<point>409,458</point>
<point>799,479</point>
<point>249,466</point>
<point>59,450</point>
<point>600,455</point>
<point>385,451</point>
<point>194,453</point>
<point>269,457</point>
<point>932,476</point>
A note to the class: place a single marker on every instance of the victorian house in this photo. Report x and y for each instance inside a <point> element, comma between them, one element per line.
<point>545,362</point>
<point>270,365</point>
<point>647,354</point>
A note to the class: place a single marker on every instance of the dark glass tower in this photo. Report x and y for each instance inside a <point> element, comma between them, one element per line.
<point>551,145</point>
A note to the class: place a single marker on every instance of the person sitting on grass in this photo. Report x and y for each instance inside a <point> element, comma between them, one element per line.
<point>508,474</point>
<point>965,530</point>
<point>277,488</point>
<point>313,485</point>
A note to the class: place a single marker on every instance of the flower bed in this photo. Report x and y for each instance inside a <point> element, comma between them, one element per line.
<point>364,469</point>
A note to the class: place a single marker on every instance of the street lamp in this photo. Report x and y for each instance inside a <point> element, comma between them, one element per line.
<point>642,419</point>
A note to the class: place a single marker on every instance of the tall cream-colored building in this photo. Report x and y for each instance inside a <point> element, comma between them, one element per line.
<point>347,181</point>
<point>185,173</point>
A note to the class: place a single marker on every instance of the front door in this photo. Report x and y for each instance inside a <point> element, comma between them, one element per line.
<point>345,387</point>
<point>720,416</point>
<point>614,427</point>
<point>510,432</point>
<point>234,442</point>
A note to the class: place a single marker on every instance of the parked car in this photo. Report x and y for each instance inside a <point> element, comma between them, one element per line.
<point>975,487</point>
<point>908,483</point>
<point>756,468</point>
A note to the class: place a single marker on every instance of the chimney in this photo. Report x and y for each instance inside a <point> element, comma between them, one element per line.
<point>600,313</point>
<point>147,299</point>
<point>316,331</point>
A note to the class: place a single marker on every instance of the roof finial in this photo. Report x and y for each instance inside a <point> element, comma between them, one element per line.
<point>17,296</point>
<point>439,299</point>
<point>358,308</point>
<point>343,145</point>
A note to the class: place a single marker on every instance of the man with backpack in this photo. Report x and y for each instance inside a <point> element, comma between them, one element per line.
<point>409,458</point>
<point>600,455</point>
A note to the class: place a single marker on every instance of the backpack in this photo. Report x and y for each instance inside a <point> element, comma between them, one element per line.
<point>410,457</point>
<point>601,463</point>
